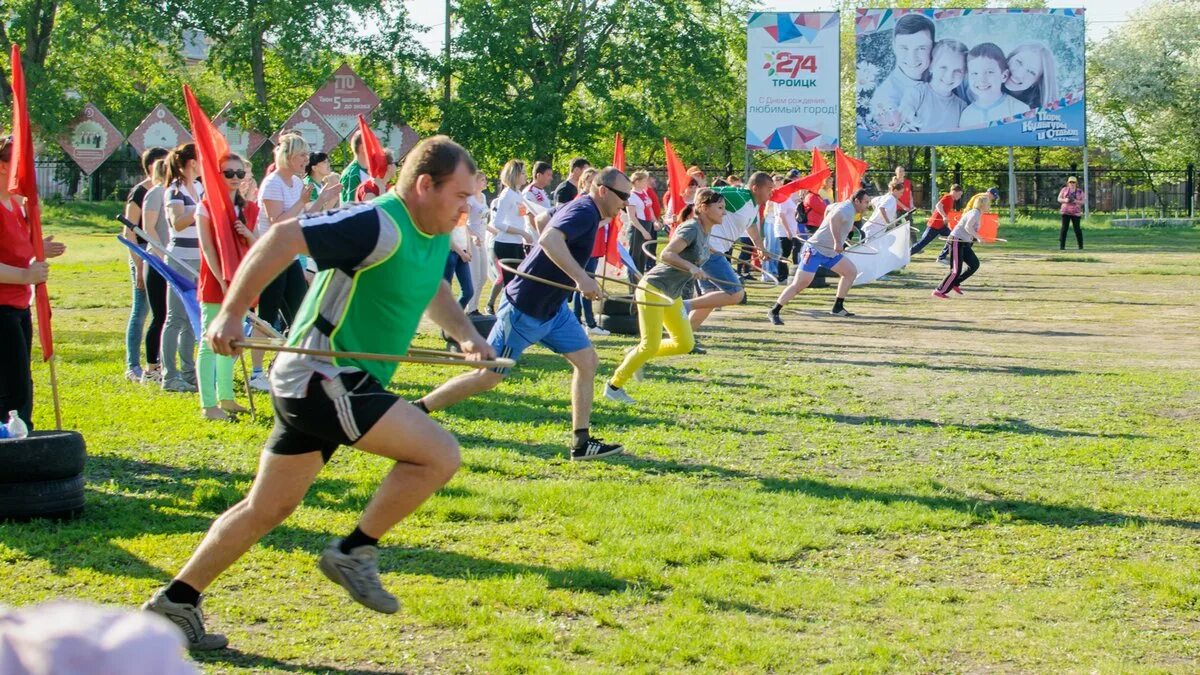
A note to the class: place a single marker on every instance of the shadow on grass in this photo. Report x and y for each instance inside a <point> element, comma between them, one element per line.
<point>1006,425</point>
<point>1004,370</point>
<point>259,663</point>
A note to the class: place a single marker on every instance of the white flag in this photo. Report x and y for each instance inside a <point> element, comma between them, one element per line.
<point>893,247</point>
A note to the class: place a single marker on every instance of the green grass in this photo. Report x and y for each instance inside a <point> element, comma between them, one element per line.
<point>1003,482</point>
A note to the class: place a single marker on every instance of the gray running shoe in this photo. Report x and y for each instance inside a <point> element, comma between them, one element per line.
<point>358,573</point>
<point>178,385</point>
<point>189,620</point>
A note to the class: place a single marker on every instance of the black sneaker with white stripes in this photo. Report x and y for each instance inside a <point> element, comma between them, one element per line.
<point>595,449</point>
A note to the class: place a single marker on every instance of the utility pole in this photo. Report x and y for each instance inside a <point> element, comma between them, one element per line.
<point>447,70</point>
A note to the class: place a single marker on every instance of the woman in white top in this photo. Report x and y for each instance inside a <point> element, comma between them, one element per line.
<point>961,242</point>
<point>511,221</point>
<point>886,210</point>
<point>183,197</point>
<point>477,212</point>
<point>640,221</point>
<point>282,196</point>
<point>786,228</point>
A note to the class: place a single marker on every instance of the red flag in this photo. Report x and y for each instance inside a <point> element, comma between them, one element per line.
<point>677,178</point>
<point>376,161</point>
<point>818,161</point>
<point>812,182</point>
<point>611,255</point>
<point>849,173</point>
<point>23,181</point>
<point>211,148</point>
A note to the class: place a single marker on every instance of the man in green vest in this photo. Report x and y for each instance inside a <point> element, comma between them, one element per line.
<point>381,267</point>
<point>355,172</point>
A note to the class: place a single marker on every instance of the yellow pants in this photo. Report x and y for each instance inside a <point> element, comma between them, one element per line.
<point>651,321</point>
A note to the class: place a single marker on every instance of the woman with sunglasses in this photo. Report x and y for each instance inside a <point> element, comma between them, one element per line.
<point>18,271</point>
<point>214,373</point>
<point>680,263</point>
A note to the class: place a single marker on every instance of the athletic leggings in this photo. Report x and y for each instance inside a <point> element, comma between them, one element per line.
<point>156,291</point>
<point>507,251</point>
<point>962,254</point>
<point>650,322</point>
<point>1067,221</point>
<point>636,239</point>
<point>281,299</point>
<point>787,249</point>
<point>16,380</point>
<point>214,372</point>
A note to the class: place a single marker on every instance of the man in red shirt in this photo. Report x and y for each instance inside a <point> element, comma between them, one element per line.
<point>905,199</point>
<point>939,222</point>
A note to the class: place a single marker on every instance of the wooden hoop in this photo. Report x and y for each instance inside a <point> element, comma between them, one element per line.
<point>427,356</point>
<point>719,282</point>
<point>505,264</point>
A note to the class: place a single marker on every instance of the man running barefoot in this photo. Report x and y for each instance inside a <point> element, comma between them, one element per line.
<point>824,249</point>
<point>536,313</point>
<point>741,219</point>
<point>381,268</point>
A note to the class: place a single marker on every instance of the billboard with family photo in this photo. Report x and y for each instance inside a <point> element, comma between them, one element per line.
<point>1005,77</point>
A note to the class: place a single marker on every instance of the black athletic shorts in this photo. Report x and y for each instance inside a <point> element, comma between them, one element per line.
<point>335,412</point>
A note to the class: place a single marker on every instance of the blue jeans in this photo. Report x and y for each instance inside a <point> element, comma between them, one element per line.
<point>583,306</point>
<point>457,267</point>
<point>139,310</point>
<point>928,236</point>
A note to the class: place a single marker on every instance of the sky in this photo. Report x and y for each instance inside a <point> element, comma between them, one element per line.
<point>1102,15</point>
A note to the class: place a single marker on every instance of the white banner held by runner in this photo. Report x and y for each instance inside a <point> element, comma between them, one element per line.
<point>793,77</point>
<point>893,247</point>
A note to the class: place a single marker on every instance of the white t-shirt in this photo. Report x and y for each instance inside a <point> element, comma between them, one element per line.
<point>785,217</point>
<point>640,205</point>
<point>476,212</point>
<point>508,208</point>
<point>884,213</point>
<point>275,188</point>
<point>975,115</point>
<point>538,196</point>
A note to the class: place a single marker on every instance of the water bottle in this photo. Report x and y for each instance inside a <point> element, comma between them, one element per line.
<point>15,428</point>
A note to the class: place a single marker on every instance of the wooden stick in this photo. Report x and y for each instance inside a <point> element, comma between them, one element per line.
<point>246,377</point>
<point>506,265</point>
<point>54,392</point>
<point>450,358</point>
<point>719,282</point>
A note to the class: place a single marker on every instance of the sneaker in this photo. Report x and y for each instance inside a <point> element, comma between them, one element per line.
<point>178,386</point>
<point>190,379</point>
<point>841,312</point>
<point>618,395</point>
<point>595,449</point>
<point>775,318</point>
<point>358,573</point>
<point>189,619</point>
<point>135,375</point>
<point>958,290</point>
<point>152,376</point>
<point>939,294</point>
<point>259,382</point>
<point>697,349</point>
<point>598,331</point>
<point>943,261</point>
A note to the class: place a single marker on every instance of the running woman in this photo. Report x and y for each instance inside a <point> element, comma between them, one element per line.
<point>535,313</point>
<point>741,218</point>
<point>381,269</point>
<point>939,222</point>
<point>680,263</point>
<point>961,243</point>
<point>824,249</point>
<point>886,210</point>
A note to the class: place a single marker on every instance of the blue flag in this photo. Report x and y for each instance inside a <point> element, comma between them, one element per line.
<point>183,287</point>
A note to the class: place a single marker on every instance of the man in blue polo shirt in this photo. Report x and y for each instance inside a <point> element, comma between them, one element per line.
<point>536,313</point>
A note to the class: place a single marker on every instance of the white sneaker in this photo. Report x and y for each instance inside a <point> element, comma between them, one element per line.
<point>617,395</point>
<point>597,330</point>
<point>260,382</point>
<point>152,376</point>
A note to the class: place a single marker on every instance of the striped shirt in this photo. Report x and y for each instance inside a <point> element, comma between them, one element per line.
<point>185,243</point>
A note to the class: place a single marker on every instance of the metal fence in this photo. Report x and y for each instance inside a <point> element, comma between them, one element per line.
<point>62,179</point>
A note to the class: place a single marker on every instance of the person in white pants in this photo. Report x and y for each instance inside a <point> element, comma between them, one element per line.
<point>477,212</point>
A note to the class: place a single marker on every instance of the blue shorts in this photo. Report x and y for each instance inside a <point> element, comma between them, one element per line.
<point>717,267</point>
<point>515,331</point>
<point>811,259</point>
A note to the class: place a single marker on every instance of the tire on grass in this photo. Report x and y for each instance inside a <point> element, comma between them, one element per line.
<point>620,325</point>
<point>60,499</point>
<point>613,307</point>
<point>41,456</point>
<point>483,324</point>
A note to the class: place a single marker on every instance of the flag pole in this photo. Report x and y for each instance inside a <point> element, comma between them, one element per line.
<point>246,377</point>
<point>54,392</point>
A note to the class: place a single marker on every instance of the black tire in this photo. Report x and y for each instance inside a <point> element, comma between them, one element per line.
<point>621,325</point>
<point>43,455</point>
<point>58,499</point>
<point>613,307</point>
<point>483,324</point>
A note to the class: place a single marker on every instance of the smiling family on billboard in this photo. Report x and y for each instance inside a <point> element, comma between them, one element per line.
<point>1010,77</point>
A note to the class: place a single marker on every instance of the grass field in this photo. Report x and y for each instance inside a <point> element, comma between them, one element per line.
<point>1002,482</point>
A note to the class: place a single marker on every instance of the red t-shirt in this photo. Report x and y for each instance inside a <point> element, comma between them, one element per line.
<point>906,196</point>
<point>366,191</point>
<point>814,210</point>
<point>936,222</point>
<point>16,250</point>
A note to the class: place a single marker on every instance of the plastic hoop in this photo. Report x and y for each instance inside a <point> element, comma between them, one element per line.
<point>506,265</point>
<point>719,282</point>
<point>427,356</point>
